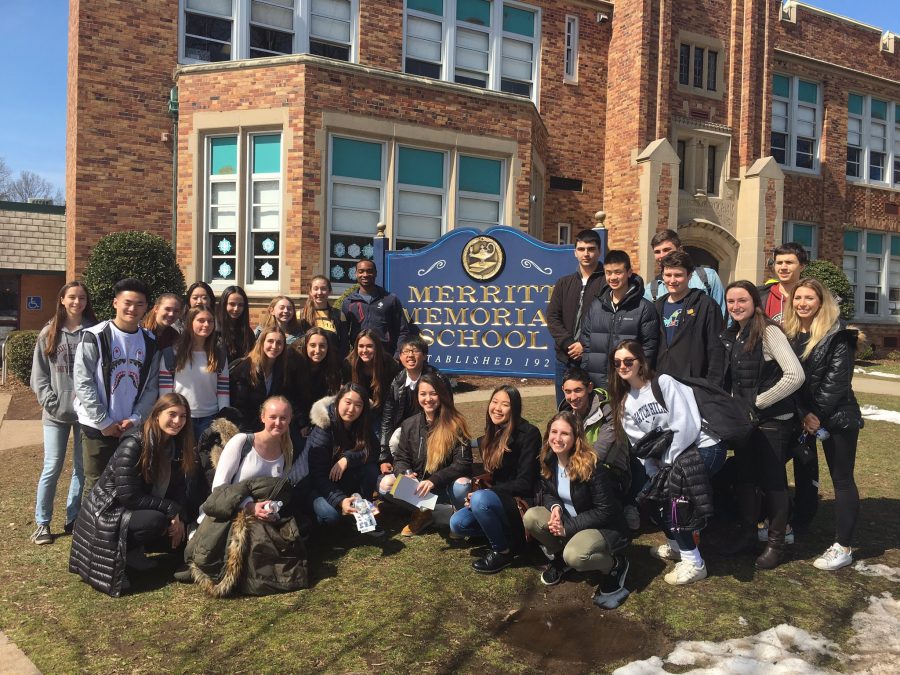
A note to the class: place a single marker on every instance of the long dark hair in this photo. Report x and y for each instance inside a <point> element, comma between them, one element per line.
<point>185,343</point>
<point>358,376</point>
<point>209,293</point>
<point>154,440</point>
<point>756,326</point>
<point>619,388</point>
<point>359,435</point>
<point>59,317</point>
<point>496,438</point>
<point>329,370</point>
<point>583,459</point>
<point>237,336</point>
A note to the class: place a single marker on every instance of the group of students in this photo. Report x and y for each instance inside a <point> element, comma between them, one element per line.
<point>194,414</point>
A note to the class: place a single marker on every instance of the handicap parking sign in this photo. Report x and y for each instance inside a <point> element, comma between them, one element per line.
<point>33,303</point>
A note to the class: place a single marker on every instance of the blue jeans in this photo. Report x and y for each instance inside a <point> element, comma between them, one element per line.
<point>326,514</point>
<point>201,424</point>
<point>713,459</point>
<point>485,516</point>
<point>56,437</point>
<point>561,368</point>
<point>359,479</point>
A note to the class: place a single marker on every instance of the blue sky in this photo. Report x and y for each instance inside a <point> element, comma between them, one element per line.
<point>33,76</point>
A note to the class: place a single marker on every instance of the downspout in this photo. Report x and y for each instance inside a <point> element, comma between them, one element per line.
<point>173,112</point>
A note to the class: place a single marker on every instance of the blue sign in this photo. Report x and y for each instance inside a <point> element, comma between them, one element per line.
<point>480,298</point>
<point>33,303</point>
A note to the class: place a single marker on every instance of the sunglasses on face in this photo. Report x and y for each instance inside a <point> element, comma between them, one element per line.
<point>618,363</point>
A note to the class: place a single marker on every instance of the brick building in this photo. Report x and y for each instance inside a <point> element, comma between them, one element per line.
<point>268,137</point>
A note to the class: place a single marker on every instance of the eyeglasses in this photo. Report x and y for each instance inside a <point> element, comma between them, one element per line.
<point>411,352</point>
<point>618,363</point>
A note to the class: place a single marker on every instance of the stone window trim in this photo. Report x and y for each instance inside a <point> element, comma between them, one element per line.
<point>694,65</point>
<point>564,234</point>
<point>694,173</point>
<point>804,233</point>
<point>239,43</point>
<point>793,106</point>
<point>570,60</point>
<point>444,66</point>
<point>864,137</point>
<point>872,264</point>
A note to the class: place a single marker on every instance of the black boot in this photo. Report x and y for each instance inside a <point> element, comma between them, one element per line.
<point>745,540</point>
<point>778,503</point>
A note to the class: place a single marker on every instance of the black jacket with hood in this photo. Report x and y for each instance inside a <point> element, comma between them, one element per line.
<point>568,304</point>
<point>399,404</point>
<point>412,454</point>
<point>605,326</point>
<point>696,350</point>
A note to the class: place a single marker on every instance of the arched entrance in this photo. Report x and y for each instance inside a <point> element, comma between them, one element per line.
<point>702,257</point>
<point>711,245</point>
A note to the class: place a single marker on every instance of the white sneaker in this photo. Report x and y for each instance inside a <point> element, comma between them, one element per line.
<point>665,552</point>
<point>685,573</point>
<point>632,517</point>
<point>763,534</point>
<point>834,558</point>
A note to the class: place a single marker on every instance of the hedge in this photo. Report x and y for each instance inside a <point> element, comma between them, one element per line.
<point>19,352</point>
<point>142,255</point>
<point>836,281</point>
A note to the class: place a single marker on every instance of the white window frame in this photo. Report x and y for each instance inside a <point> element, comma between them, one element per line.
<point>793,106</point>
<point>860,145</point>
<point>564,233</point>
<point>892,142</point>
<point>420,189</point>
<point>450,25</point>
<point>240,30</point>
<point>182,30</point>
<point>500,199</point>
<point>888,264</point>
<point>243,209</point>
<point>570,48</point>
<point>788,235</point>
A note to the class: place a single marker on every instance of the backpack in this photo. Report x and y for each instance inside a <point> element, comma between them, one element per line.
<point>701,274</point>
<point>729,418</point>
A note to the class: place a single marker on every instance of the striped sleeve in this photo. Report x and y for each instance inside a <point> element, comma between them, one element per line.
<point>223,390</point>
<point>166,379</point>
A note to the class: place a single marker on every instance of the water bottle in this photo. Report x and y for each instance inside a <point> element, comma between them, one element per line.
<point>822,434</point>
<point>365,519</point>
<point>273,507</point>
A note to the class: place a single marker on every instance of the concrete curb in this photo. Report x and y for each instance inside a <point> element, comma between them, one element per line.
<point>13,660</point>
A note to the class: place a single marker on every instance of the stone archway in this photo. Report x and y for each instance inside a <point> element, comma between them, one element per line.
<point>713,244</point>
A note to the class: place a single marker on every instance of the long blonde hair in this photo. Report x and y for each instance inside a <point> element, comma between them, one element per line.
<point>287,447</point>
<point>582,458</point>
<point>822,322</point>
<point>260,364</point>
<point>448,429</point>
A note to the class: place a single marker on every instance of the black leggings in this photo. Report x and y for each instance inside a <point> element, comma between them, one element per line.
<point>840,453</point>
<point>145,526</point>
<point>761,459</point>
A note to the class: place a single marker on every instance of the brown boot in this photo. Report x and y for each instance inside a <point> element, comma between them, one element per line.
<point>778,503</point>
<point>419,522</point>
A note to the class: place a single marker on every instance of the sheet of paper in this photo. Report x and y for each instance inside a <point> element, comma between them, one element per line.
<point>405,490</point>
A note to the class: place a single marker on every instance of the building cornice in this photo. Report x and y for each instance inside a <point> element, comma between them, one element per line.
<point>835,67</point>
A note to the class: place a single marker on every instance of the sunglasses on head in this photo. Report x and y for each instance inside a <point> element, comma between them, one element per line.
<point>618,363</point>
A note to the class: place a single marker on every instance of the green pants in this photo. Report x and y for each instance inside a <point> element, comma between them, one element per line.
<point>96,453</point>
<point>585,551</point>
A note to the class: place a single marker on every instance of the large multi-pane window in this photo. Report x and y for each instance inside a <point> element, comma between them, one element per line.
<point>484,43</point>
<point>698,66</point>
<point>224,30</point>
<point>873,140</point>
<point>796,122</point>
<point>872,264</point>
<point>361,178</point>
<point>243,210</point>
<point>805,234</point>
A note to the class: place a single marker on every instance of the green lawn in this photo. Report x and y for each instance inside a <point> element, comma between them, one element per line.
<point>403,606</point>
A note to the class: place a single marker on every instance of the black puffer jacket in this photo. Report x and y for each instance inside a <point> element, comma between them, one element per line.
<point>412,454</point>
<point>827,390</point>
<point>748,374</point>
<point>99,542</point>
<point>686,478</point>
<point>247,397</point>
<point>399,405</point>
<point>604,326</point>
<point>569,302</point>
<point>596,501</point>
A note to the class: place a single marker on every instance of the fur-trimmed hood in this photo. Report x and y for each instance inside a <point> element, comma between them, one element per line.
<point>219,433</point>
<point>322,412</point>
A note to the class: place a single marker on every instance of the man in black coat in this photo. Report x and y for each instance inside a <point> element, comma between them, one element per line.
<point>619,312</point>
<point>373,307</point>
<point>572,295</point>
<point>689,326</point>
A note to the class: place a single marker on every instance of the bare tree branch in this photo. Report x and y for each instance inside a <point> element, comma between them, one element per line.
<point>30,185</point>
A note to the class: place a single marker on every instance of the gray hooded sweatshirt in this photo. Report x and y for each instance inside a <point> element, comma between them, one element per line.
<point>51,377</point>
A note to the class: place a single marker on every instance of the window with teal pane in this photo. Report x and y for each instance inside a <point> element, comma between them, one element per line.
<point>855,104</point>
<point>851,240</point>
<point>421,167</point>
<point>517,20</point>
<point>430,6</point>
<point>874,243</point>
<point>474,11</point>
<point>895,245</point>
<point>808,92</point>
<point>223,155</point>
<point>897,113</point>
<point>477,174</point>
<point>879,109</point>
<point>781,86</point>
<point>356,159</point>
<point>267,153</point>
<point>803,234</point>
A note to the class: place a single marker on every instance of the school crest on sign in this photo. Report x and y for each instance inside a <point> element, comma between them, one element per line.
<point>483,258</point>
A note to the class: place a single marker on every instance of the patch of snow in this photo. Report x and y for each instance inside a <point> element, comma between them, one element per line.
<point>878,570</point>
<point>875,373</point>
<point>785,649</point>
<point>871,412</point>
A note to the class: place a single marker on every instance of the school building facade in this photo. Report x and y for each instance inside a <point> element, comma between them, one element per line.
<point>267,138</point>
